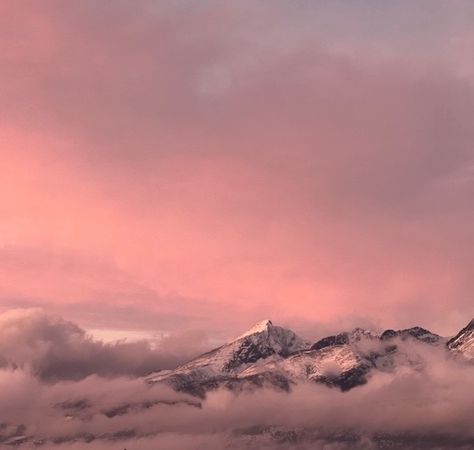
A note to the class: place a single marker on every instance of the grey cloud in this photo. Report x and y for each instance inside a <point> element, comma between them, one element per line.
<point>424,404</point>
<point>55,349</point>
<point>347,139</point>
<point>429,409</point>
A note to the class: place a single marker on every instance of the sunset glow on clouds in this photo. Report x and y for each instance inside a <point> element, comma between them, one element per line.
<point>203,165</point>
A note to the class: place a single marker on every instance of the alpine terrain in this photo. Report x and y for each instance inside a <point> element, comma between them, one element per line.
<point>273,356</point>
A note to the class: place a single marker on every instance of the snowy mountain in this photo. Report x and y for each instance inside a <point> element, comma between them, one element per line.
<point>463,342</point>
<point>261,344</point>
<point>269,355</point>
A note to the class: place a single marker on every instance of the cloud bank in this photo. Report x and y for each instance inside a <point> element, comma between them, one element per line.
<point>415,410</point>
<point>55,349</point>
<point>64,391</point>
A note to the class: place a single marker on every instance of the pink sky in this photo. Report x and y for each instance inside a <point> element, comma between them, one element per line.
<point>204,165</point>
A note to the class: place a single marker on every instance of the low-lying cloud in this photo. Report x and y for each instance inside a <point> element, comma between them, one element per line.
<point>46,399</point>
<point>55,349</point>
<point>425,408</point>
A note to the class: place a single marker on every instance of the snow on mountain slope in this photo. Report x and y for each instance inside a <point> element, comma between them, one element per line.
<point>353,337</point>
<point>260,327</point>
<point>339,365</point>
<point>463,342</point>
<point>263,342</point>
<point>274,356</point>
<point>345,360</point>
<point>268,355</point>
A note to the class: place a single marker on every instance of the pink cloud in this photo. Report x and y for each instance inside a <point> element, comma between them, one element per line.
<point>179,161</point>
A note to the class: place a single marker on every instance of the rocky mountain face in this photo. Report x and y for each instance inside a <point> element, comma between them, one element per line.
<point>269,355</point>
<point>463,342</point>
<point>417,333</point>
<point>262,344</point>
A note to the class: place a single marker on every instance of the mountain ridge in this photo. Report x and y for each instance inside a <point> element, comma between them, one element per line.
<point>273,356</point>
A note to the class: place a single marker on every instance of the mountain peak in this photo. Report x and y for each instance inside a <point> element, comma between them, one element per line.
<point>418,333</point>
<point>259,327</point>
